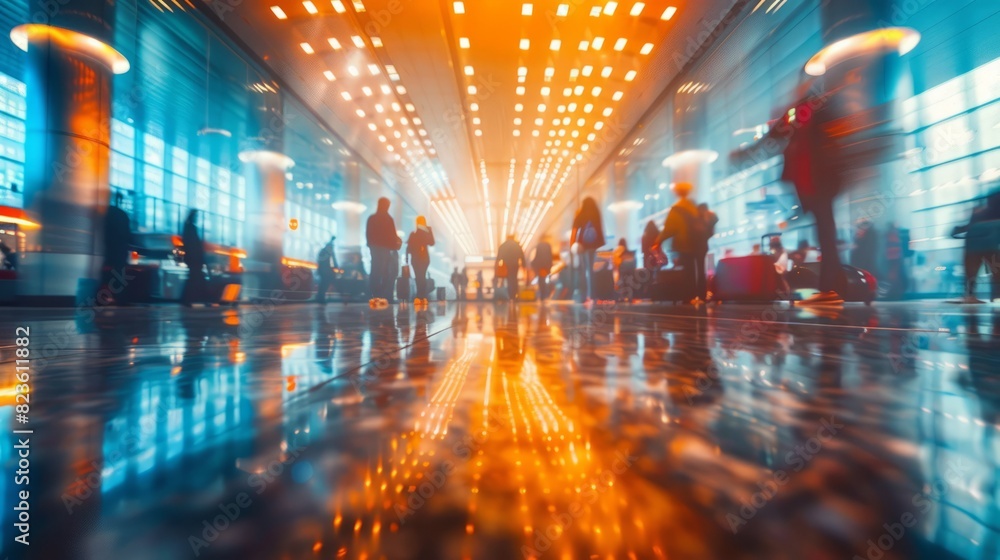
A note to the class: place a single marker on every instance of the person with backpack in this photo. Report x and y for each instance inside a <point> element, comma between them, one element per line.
<point>690,233</point>
<point>588,235</point>
<point>419,257</point>
<point>510,257</point>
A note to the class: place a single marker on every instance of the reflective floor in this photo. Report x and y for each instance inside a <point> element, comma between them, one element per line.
<point>473,431</point>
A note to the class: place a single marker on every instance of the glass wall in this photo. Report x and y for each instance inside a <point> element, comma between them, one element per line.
<point>181,117</point>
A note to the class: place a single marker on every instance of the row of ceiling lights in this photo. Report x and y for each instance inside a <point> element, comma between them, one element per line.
<point>428,175</point>
<point>528,213</point>
<point>562,10</point>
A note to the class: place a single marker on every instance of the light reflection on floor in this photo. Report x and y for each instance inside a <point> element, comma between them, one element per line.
<point>468,431</point>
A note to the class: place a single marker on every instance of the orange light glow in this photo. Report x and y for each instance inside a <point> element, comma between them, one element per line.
<point>16,216</point>
<point>287,261</point>
<point>23,35</point>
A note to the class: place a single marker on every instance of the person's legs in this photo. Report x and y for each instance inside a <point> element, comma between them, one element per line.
<point>194,288</point>
<point>687,263</point>
<point>377,277</point>
<point>973,262</point>
<point>831,271</point>
<point>543,286</point>
<point>701,282</point>
<point>512,287</point>
<point>420,272</point>
<point>587,257</point>
<point>323,288</point>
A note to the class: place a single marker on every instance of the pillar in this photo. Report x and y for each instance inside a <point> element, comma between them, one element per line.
<point>69,66</point>
<point>691,158</point>
<point>265,167</point>
<point>350,209</point>
<point>625,220</point>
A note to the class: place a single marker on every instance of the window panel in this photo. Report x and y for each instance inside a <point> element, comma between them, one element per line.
<point>152,152</point>
<point>122,138</point>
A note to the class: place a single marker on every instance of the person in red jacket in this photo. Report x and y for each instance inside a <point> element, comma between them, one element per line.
<point>817,182</point>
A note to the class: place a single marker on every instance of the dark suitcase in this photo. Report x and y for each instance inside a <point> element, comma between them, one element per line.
<point>603,285</point>
<point>403,288</point>
<point>751,278</point>
<point>673,285</point>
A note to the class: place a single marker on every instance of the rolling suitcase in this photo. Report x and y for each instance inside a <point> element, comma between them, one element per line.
<point>603,285</point>
<point>751,278</point>
<point>403,288</point>
<point>673,285</point>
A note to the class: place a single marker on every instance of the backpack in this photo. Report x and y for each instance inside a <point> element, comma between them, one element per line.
<point>699,231</point>
<point>588,233</point>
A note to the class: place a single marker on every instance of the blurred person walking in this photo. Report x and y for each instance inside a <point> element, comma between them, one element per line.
<point>380,233</point>
<point>418,256</point>
<point>456,283</point>
<point>510,257</point>
<point>479,284</point>
<point>817,181</point>
<point>117,244</point>
<point>194,258</point>
<point>710,219</point>
<point>981,235</point>
<point>618,257</point>
<point>588,235</point>
<point>690,233</point>
<point>8,257</point>
<point>865,251</point>
<point>653,257</point>
<point>541,263</point>
<point>463,283</point>
<point>326,262</point>
<point>897,250</point>
<point>782,263</point>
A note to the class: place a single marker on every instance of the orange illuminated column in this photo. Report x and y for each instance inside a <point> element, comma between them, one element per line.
<point>265,167</point>
<point>69,64</point>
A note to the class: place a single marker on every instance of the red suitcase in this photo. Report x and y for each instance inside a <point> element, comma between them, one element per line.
<point>751,278</point>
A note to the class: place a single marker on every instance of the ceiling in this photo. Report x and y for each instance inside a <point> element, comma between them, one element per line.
<point>489,113</point>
